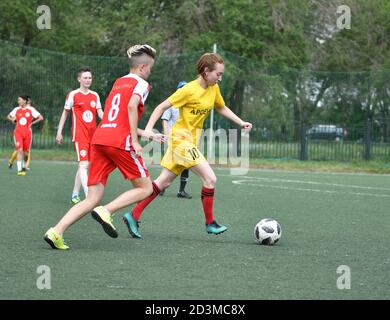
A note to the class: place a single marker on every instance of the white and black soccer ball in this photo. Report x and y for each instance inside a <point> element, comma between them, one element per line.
<point>267,231</point>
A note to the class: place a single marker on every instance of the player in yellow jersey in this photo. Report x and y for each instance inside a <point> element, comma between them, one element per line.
<point>195,101</point>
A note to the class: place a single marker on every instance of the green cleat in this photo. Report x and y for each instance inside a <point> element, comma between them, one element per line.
<point>55,240</point>
<point>215,228</point>
<point>101,215</point>
<point>75,200</point>
<point>132,225</point>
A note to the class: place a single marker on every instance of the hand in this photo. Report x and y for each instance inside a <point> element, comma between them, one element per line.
<point>59,138</point>
<point>137,149</point>
<point>158,137</point>
<point>247,126</point>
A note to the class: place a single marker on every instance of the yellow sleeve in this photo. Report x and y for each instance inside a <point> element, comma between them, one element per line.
<point>219,102</point>
<point>180,97</point>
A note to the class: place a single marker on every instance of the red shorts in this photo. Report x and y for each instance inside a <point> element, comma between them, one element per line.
<point>23,140</point>
<point>83,150</point>
<point>105,159</point>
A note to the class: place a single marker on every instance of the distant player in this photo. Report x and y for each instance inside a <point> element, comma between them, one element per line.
<point>115,145</point>
<point>195,101</point>
<point>84,105</point>
<point>24,116</point>
<point>27,158</point>
<point>169,118</point>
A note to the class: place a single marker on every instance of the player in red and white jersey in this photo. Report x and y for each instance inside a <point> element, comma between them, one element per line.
<point>27,158</point>
<point>25,116</point>
<point>84,105</point>
<point>115,145</point>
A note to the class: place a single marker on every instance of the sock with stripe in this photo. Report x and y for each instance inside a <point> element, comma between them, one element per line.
<point>207,197</point>
<point>139,208</point>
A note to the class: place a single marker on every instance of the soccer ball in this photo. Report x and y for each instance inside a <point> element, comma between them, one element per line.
<point>267,231</point>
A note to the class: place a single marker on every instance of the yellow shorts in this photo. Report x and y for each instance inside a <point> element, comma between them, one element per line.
<point>181,156</point>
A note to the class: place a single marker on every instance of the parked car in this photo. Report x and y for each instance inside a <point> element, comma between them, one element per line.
<point>326,132</point>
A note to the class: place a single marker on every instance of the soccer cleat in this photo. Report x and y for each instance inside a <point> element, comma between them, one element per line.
<point>132,225</point>
<point>215,228</point>
<point>183,194</point>
<point>55,240</point>
<point>10,164</point>
<point>75,200</point>
<point>21,173</point>
<point>101,215</point>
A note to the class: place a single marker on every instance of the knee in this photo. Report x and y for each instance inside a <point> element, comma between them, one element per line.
<point>83,165</point>
<point>211,181</point>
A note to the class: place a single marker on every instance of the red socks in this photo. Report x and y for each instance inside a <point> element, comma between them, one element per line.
<point>139,208</point>
<point>207,202</point>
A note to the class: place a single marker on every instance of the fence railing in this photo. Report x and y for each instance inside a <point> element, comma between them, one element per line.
<point>267,140</point>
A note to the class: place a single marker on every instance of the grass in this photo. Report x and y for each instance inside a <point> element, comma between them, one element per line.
<point>327,220</point>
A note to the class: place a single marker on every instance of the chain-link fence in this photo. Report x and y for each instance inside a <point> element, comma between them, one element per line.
<point>297,114</point>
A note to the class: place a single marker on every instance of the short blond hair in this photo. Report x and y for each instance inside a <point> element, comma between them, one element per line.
<point>138,53</point>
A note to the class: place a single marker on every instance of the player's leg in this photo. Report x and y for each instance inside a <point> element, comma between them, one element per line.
<point>76,189</point>
<point>27,140</point>
<point>54,236</point>
<point>207,175</point>
<point>83,173</point>
<point>131,219</point>
<point>12,159</point>
<point>81,178</point>
<point>183,182</point>
<point>18,140</point>
<point>27,159</point>
<point>19,160</point>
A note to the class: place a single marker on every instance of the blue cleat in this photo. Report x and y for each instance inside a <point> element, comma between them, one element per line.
<point>215,228</point>
<point>132,225</point>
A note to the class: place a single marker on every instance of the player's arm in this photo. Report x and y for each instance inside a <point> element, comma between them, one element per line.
<point>158,137</point>
<point>11,118</point>
<point>229,114</point>
<point>132,109</point>
<point>39,118</point>
<point>63,118</point>
<point>100,113</point>
<point>156,114</point>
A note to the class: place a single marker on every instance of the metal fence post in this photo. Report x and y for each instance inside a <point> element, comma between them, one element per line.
<point>303,142</point>
<point>367,139</point>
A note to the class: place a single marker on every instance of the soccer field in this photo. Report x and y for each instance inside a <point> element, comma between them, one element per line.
<point>328,220</point>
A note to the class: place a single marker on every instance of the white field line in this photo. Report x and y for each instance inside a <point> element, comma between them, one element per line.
<point>248,183</point>
<point>246,178</point>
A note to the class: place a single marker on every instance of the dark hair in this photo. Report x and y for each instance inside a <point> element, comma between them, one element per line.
<point>24,97</point>
<point>83,69</point>
<point>208,60</point>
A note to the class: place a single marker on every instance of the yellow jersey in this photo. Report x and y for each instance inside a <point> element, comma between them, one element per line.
<point>195,104</point>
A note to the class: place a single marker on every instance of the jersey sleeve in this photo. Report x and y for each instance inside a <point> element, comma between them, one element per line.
<point>98,104</point>
<point>13,112</point>
<point>219,102</point>
<point>167,115</point>
<point>142,90</point>
<point>34,112</point>
<point>180,97</point>
<point>69,102</point>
